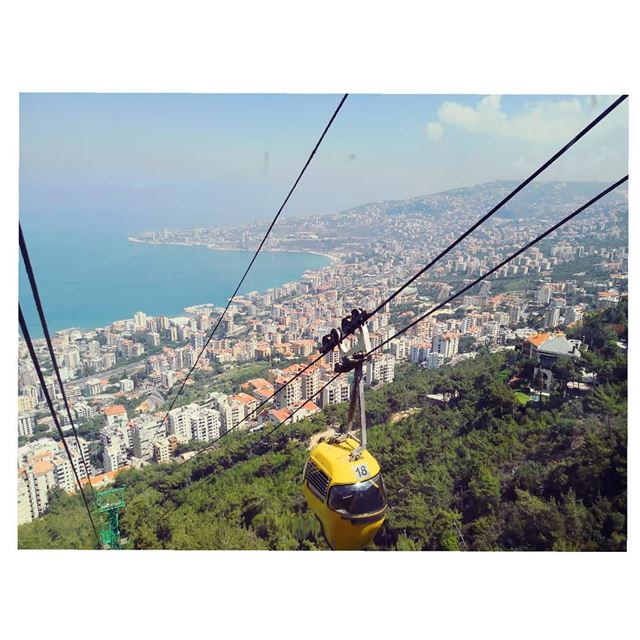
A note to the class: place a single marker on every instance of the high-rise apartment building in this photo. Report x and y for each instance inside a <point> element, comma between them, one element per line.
<point>26,424</point>
<point>446,344</point>
<point>380,369</point>
<point>205,424</point>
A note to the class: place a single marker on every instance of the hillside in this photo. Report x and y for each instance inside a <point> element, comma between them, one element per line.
<point>541,199</point>
<point>482,472</point>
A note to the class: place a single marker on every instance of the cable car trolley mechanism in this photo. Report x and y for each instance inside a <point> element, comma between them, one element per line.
<point>342,481</point>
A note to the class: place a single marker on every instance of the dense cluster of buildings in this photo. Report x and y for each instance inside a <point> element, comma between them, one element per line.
<point>118,377</point>
<point>42,466</point>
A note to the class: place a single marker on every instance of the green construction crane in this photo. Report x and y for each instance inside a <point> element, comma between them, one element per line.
<point>110,501</point>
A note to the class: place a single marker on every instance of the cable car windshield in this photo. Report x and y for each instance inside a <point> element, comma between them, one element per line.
<point>358,499</point>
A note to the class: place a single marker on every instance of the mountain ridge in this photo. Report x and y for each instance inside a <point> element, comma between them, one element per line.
<point>536,198</point>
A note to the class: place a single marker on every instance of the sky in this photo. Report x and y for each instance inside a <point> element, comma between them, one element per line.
<point>146,161</point>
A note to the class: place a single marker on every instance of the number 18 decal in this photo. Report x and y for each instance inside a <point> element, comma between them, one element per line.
<point>361,470</point>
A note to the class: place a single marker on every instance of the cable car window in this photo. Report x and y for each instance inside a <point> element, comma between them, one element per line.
<point>358,499</point>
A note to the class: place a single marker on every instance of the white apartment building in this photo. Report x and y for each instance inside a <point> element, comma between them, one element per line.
<point>419,352</point>
<point>179,422</point>
<point>63,471</point>
<point>289,395</point>
<point>552,317</point>
<point>71,358</point>
<point>109,360</point>
<point>33,490</point>
<point>116,415</point>
<point>162,450</point>
<point>310,383</point>
<point>515,316</point>
<point>502,318</point>
<point>112,458</point>
<point>338,391</point>
<point>115,442</point>
<point>93,348</point>
<point>168,378</point>
<point>434,360</point>
<point>333,357</point>
<point>491,329</point>
<point>126,385</point>
<point>26,403</point>
<point>573,314</point>
<point>24,503</point>
<point>144,431</point>
<point>446,344</point>
<point>228,417</point>
<point>140,320</point>
<point>401,349</point>
<point>543,295</point>
<point>205,424</point>
<point>93,387</point>
<point>26,424</point>
<point>84,410</point>
<point>380,369</point>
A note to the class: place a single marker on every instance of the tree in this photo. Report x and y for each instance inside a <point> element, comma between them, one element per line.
<point>564,371</point>
<point>527,367</point>
<point>477,473</point>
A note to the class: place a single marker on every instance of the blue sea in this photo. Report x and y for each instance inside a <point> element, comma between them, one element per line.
<point>90,278</point>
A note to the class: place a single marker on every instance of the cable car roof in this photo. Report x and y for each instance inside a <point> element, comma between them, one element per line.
<point>334,460</point>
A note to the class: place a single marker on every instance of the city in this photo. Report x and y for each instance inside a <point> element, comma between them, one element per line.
<point>121,379</point>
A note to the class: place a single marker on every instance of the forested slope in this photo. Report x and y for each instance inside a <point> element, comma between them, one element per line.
<point>480,472</point>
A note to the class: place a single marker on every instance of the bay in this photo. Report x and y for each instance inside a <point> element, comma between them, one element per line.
<point>89,278</point>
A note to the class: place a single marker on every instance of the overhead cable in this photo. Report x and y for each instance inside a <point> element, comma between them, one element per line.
<point>257,251</point>
<point>530,244</point>
<point>444,252</point>
<point>36,364</point>
<point>504,201</point>
<point>549,231</point>
<point>45,328</point>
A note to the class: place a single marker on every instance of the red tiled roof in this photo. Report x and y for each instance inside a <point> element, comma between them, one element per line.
<point>114,410</point>
<point>280,414</point>
<point>538,339</point>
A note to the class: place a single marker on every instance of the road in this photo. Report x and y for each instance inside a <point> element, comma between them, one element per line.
<point>125,368</point>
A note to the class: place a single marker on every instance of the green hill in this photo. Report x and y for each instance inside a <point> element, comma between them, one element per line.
<point>481,472</point>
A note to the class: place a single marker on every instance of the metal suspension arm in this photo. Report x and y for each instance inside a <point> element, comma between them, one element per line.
<point>353,359</point>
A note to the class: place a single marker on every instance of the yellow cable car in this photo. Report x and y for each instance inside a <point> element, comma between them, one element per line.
<point>342,482</point>
<point>347,495</point>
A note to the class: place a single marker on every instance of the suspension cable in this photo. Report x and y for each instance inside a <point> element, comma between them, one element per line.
<point>543,235</point>
<point>530,244</point>
<point>255,255</point>
<point>36,364</point>
<point>504,201</point>
<point>45,328</point>
<point>255,444</point>
<point>234,427</point>
<point>444,252</point>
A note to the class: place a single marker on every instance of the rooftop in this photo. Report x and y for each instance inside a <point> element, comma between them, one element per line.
<point>537,339</point>
<point>114,410</point>
<point>559,345</point>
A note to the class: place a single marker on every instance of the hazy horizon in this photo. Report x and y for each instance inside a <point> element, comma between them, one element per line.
<point>147,161</point>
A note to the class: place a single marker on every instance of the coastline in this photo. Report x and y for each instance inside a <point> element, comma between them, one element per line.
<point>103,326</point>
<point>331,257</point>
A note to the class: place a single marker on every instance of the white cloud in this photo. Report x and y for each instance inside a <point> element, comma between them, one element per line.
<point>540,123</point>
<point>435,130</point>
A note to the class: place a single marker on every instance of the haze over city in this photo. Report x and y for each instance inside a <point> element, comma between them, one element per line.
<point>146,161</point>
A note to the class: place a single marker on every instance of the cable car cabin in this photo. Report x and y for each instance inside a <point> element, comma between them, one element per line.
<point>348,496</point>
